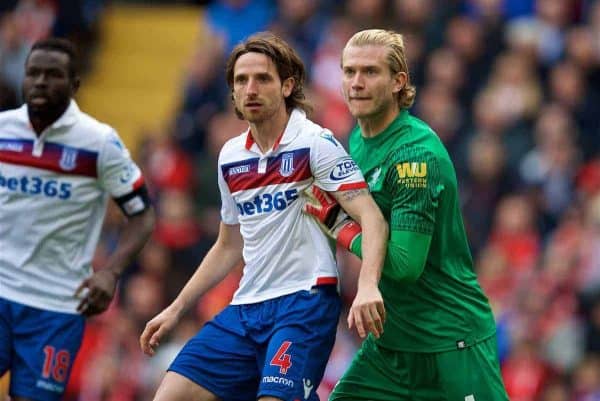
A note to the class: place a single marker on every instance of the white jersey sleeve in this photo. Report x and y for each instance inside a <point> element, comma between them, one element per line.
<point>332,167</point>
<point>229,211</point>
<point>117,173</point>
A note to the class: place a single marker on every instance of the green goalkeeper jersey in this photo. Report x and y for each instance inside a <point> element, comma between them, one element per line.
<point>412,179</point>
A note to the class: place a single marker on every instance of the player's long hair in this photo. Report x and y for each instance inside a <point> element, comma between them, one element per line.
<point>286,60</point>
<point>396,58</point>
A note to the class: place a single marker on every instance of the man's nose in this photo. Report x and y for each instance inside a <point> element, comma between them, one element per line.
<point>40,80</point>
<point>252,88</point>
<point>357,81</point>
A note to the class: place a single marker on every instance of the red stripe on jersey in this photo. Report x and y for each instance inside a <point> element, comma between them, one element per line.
<point>250,140</point>
<point>326,280</point>
<point>276,144</point>
<point>138,183</point>
<point>255,180</point>
<point>295,169</point>
<point>55,158</point>
<point>352,185</point>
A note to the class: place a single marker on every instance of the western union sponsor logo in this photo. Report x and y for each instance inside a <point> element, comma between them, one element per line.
<point>409,170</point>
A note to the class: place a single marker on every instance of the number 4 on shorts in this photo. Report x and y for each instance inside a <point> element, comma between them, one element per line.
<point>281,359</point>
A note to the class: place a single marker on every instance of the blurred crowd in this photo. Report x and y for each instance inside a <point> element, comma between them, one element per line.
<point>512,87</point>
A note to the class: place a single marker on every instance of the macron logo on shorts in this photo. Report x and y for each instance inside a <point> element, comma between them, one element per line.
<point>308,386</point>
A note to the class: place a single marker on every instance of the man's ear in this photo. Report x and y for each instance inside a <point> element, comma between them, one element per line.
<point>400,79</point>
<point>75,83</point>
<point>287,87</point>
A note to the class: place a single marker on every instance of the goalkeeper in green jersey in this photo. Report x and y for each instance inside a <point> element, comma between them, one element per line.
<point>438,341</point>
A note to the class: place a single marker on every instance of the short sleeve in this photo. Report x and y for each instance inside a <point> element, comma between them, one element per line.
<point>414,182</point>
<point>229,211</point>
<point>332,167</point>
<point>118,174</point>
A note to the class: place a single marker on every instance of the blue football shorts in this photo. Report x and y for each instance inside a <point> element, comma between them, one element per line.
<point>277,347</point>
<point>38,347</point>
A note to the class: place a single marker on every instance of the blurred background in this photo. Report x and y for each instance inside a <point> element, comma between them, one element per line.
<point>512,87</point>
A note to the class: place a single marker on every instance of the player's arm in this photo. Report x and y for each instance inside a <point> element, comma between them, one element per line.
<point>361,207</point>
<point>101,285</point>
<point>406,254</point>
<point>336,172</point>
<point>400,263</point>
<point>367,311</point>
<point>224,255</point>
<point>414,208</point>
<point>122,178</point>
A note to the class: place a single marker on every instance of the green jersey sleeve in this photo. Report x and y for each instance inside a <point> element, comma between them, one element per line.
<point>414,182</point>
<point>405,257</point>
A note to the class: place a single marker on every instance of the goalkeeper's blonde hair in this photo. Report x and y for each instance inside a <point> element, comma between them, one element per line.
<point>396,58</point>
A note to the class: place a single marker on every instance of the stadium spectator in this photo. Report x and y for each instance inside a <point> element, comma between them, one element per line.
<point>13,53</point>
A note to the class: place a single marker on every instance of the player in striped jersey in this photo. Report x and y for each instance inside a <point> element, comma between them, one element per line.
<point>273,341</point>
<point>58,167</point>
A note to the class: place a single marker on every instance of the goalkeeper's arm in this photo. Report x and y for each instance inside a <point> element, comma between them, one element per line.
<point>367,312</point>
<point>352,214</point>
<point>402,264</point>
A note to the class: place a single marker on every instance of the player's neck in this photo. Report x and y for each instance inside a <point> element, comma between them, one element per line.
<point>40,119</point>
<point>39,122</point>
<point>266,133</point>
<point>375,124</point>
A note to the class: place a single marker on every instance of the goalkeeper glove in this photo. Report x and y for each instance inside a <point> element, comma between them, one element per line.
<point>332,218</point>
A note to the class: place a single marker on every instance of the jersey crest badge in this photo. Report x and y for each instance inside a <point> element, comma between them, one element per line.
<point>374,178</point>
<point>68,159</point>
<point>287,164</point>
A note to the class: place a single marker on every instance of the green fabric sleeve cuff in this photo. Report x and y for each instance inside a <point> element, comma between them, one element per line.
<point>356,246</point>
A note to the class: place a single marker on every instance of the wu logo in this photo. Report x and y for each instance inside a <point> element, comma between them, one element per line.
<point>287,164</point>
<point>411,170</point>
<point>68,159</point>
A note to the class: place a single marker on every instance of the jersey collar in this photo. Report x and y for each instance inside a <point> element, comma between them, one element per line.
<point>397,122</point>
<point>400,120</point>
<point>291,131</point>
<point>68,118</point>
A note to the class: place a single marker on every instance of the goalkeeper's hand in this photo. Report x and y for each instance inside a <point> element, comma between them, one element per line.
<point>334,221</point>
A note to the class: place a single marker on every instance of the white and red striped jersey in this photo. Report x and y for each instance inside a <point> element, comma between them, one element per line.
<point>284,250</point>
<point>53,194</point>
